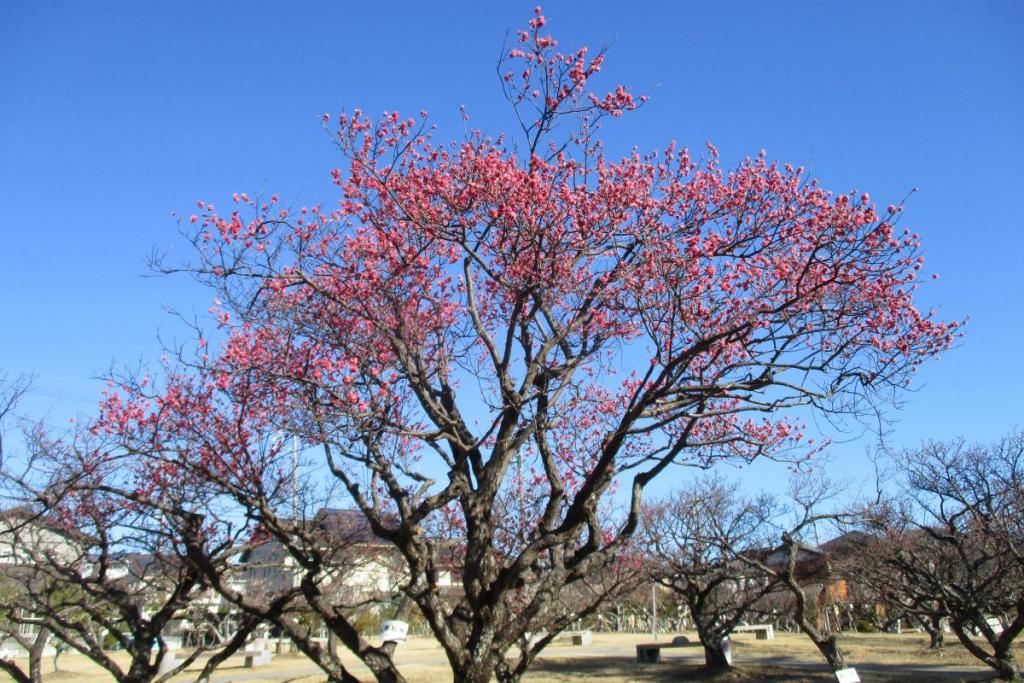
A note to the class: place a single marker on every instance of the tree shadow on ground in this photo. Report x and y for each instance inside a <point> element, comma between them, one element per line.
<point>606,669</point>
<point>619,669</point>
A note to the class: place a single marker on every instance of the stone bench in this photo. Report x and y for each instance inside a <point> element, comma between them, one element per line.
<point>760,631</point>
<point>650,653</point>
<point>578,637</point>
<point>254,658</point>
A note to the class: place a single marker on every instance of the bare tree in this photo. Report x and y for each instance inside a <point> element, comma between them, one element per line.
<point>804,589</point>
<point>951,537</point>
<point>12,389</point>
<point>91,565</point>
<point>802,571</point>
<point>886,596</point>
<point>304,573</point>
<point>19,624</point>
<point>693,538</point>
<point>785,570</point>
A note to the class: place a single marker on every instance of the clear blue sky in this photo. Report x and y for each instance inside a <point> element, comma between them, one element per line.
<point>114,114</point>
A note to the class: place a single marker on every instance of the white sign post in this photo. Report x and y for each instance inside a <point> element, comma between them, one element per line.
<point>394,631</point>
<point>848,675</point>
<point>727,650</point>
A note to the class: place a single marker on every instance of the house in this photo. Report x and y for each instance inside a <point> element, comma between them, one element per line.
<point>26,536</point>
<point>28,539</point>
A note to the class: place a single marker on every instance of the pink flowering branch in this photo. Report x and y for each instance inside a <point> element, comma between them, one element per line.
<point>484,341</point>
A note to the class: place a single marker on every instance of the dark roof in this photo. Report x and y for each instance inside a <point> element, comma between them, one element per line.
<point>350,526</point>
<point>338,528</point>
<point>847,544</point>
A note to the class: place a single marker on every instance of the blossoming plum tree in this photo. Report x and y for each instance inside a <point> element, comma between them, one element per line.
<point>484,339</point>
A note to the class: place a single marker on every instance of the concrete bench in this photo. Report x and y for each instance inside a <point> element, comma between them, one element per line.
<point>650,653</point>
<point>579,637</point>
<point>760,631</point>
<point>254,658</point>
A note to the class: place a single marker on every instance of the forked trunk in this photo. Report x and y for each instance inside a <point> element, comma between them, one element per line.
<point>473,674</point>
<point>1006,665</point>
<point>1001,657</point>
<point>936,637</point>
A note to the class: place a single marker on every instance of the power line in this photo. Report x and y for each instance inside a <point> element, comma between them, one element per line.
<point>54,392</point>
<point>64,395</point>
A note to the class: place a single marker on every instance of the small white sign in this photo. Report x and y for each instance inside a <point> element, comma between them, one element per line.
<point>847,675</point>
<point>394,631</point>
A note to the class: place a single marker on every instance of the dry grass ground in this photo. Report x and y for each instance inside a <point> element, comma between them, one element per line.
<point>883,658</point>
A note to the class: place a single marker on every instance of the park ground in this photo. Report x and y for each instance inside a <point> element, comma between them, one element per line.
<point>883,658</point>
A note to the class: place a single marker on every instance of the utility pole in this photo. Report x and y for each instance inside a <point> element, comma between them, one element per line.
<point>295,476</point>
<point>654,612</point>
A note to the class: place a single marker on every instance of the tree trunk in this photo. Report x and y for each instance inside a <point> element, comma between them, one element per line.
<point>383,669</point>
<point>830,649</point>
<point>1001,658</point>
<point>35,655</point>
<point>35,666</point>
<point>473,674</point>
<point>143,666</point>
<point>933,627</point>
<point>714,656</point>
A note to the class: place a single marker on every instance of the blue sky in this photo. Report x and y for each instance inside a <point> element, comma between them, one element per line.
<point>115,114</point>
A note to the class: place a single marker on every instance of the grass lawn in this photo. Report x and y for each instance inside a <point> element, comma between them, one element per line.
<point>879,657</point>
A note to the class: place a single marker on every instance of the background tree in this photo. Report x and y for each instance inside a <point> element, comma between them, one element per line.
<point>883,595</point>
<point>303,573</point>
<point>787,571</point>
<point>951,539</point>
<point>692,539</point>
<point>449,337</point>
<point>227,446</point>
<point>18,622</point>
<point>801,570</point>
<point>95,566</point>
<point>12,616</point>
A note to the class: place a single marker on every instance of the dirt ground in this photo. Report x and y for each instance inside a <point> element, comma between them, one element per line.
<point>882,658</point>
